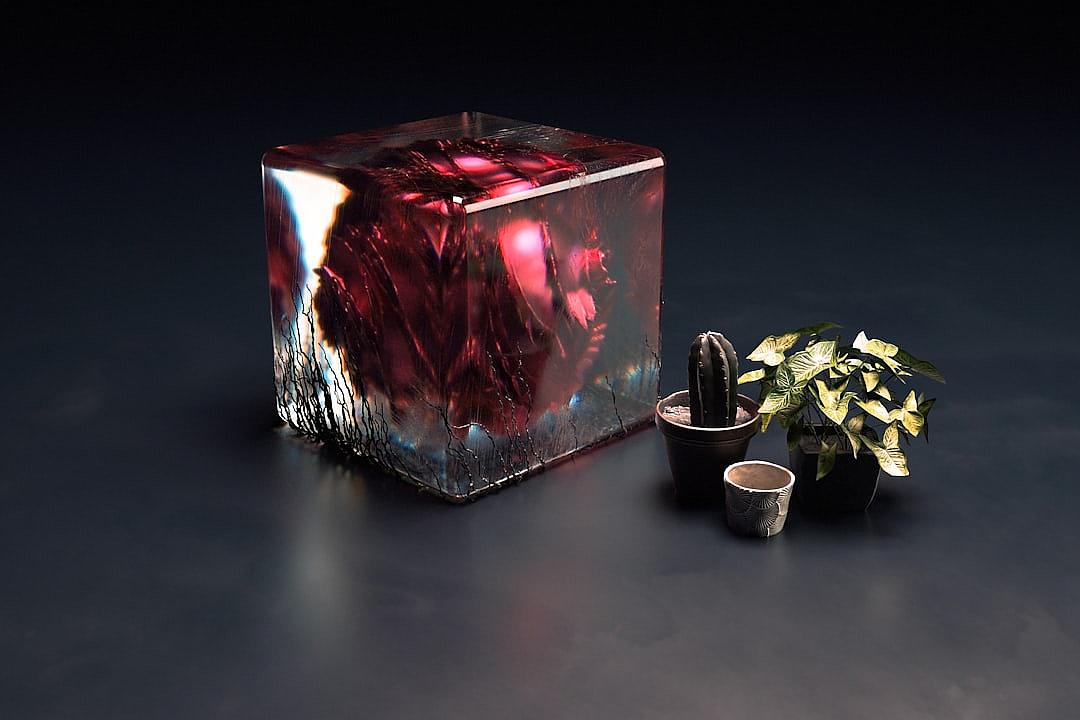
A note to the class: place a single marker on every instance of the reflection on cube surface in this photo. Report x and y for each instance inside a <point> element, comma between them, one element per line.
<point>466,299</point>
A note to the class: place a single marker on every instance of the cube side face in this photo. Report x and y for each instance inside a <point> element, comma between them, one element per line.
<point>463,347</point>
<point>368,302</point>
<point>564,322</point>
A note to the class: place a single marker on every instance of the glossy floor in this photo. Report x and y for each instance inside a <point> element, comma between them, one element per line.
<point>167,552</point>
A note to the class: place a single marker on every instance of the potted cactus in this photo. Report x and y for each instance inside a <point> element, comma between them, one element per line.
<point>708,426</point>
<point>846,408</point>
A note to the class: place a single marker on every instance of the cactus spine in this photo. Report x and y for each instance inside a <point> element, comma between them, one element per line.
<point>713,372</point>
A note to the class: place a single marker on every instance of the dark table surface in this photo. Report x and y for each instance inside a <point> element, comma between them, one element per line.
<point>167,551</point>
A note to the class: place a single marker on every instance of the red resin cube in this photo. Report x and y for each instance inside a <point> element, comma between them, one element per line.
<point>466,299</point>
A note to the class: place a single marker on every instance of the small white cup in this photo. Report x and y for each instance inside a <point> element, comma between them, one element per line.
<point>756,497</point>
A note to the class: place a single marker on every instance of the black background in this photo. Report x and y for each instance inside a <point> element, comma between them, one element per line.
<point>166,551</point>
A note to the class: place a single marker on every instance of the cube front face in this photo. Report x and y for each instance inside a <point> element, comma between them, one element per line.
<point>467,299</point>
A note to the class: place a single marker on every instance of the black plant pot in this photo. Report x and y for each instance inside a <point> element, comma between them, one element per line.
<point>698,456</point>
<point>849,487</point>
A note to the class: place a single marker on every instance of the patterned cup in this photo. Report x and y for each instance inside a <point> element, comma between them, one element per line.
<point>756,497</point>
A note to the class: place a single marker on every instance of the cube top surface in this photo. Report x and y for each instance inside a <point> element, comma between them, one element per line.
<point>471,159</point>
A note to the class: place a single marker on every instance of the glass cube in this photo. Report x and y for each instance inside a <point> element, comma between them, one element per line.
<point>467,299</point>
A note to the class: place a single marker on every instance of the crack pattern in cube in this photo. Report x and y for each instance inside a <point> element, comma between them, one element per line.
<point>466,299</point>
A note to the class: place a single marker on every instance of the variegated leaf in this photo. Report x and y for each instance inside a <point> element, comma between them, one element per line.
<point>828,396</point>
<point>833,403</point>
<point>878,348</point>
<point>876,409</point>
<point>910,416</point>
<point>891,437</point>
<point>855,423</point>
<point>752,376</point>
<point>913,423</point>
<point>891,459</point>
<point>786,393</point>
<point>779,400</point>
<point>771,350</point>
<point>805,364</point>
<point>871,380</point>
<point>853,435</point>
<point>772,403</point>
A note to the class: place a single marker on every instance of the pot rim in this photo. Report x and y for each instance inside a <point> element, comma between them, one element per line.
<point>787,485</point>
<point>665,401</point>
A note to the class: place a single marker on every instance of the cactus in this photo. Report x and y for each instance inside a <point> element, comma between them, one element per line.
<point>713,372</point>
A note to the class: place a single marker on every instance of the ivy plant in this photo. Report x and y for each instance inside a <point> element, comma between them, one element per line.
<point>843,397</point>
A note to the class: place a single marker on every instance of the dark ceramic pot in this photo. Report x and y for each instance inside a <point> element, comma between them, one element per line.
<point>698,456</point>
<point>849,487</point>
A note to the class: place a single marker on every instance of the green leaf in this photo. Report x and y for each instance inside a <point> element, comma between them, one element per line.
<point>815,329</point>
<point>749,377</point>
<point>766,388</point>
<point>805,364</point>
<point>920,366</point>
<point>924,410</point>
<point>794,435</point>
<point>882,391</point>
<point>826,459</point>
<point>787,417</point>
